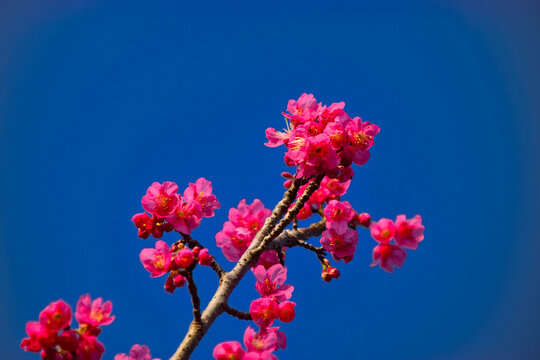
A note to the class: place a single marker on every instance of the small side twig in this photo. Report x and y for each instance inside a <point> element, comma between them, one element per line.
<point>280,256</point>
<point>191,242</point>
<point>195,300</point>
<point>319,251</point>
<point>236,313</point>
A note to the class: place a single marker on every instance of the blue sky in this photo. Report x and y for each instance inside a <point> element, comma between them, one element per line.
<point>99,99</point>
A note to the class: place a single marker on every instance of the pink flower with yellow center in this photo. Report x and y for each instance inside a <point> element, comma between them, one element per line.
<point>201,192</point>
<point>383,231</point>
<point>161,199</point>
<point>93,313</point>
<point>158,260</point>
<point>270,283</point>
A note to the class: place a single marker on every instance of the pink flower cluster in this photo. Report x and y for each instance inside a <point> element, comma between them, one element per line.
<point>170,210</point>
<point>273,304</point>
<point>137,352</point>
<point>407,233</point>
<point>244,223</point>
<point>161,260</point>
<point>320,138</point>
<point>53,337</point>
<point>338,238</point>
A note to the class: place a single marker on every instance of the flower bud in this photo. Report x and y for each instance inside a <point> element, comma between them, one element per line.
<point>334,273</point>
<point>196,250</point>
<point>205,258</point>
<point>179,281</point>
<point>184,258</point>
<point>364,219</point>
<point>286,311</point>
<point>169,285</point>
<point>325,275</point>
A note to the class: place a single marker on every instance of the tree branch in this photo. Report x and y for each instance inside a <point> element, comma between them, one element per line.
<point>231,279</point>
<point>195,300</point>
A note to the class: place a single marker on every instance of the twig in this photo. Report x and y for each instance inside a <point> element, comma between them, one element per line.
<point>236,313</point>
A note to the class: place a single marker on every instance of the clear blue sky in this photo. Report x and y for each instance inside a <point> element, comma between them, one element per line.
<point>98,99</point>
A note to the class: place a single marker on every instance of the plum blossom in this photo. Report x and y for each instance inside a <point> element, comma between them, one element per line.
<point>264,311</point>
<point>161,199</point>
<point>228,350</point>
<point>409,232</point>
<point>56,316</point>
<point>388,256</point>
<point>93,313</point>
<point>338,215</point>
<point>137,352</point>
<point>156,260</point>
<point>270,282</point>
<point>201,192</point>
<point>186,216</point>
<point>383,230</point>
<point>341,246</point>
<point>244,223</point>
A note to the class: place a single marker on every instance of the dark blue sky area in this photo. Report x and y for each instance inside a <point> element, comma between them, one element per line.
<point>99,99</point>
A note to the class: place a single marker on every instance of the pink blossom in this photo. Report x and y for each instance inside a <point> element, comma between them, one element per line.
<point>270,339</point>
<point>38,336</point>
<point>270,282</point>
<point>360,136</point>
<point>337,135</point>
<point>229,350</point>
<point>201,192</point>
<point>383,230</point>
<point>137,352</point>
<point>409,232</point>
<point>338,215</point>
<point>144,223</point>
<point>93,313</point>
<point>89,348</point>
<point>68,340</point>
<point>56,316</point>
<point>186,216</point>
<point>244,223</point>
<point>276,138</point>
<point>341,246</point>
<point>233,240</point>
<point>286,311</point>
<point>264,311</point>
<point>205,258</point>
<point>303,109</point>
<point>319,156</point>
<point>157,260</point>
<point>388,256</point>
<point>161,199</point>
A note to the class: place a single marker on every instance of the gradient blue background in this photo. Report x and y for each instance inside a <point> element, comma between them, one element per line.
<point>99,99</point>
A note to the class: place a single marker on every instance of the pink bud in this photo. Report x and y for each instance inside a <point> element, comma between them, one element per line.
<point>325,275</point>
<point>287,175</point>
<point>205,258</point>
<point>174,247</point>
<point>196,250</point>
<point>169,285</point>
<point>287,184</point>
<point>364,219</point>
<point>179,281</point>
<point>286,311</point>
<point>184,258</point>
<point>334,273</point>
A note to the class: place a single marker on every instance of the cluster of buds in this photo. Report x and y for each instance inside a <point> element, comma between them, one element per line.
<point>321,138</point>
<point>329,272</point>
<point>171,211</point>
<point>176,260</point>
<point>53,337</point>
<point>407,233</point>
<point>244,223</point>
